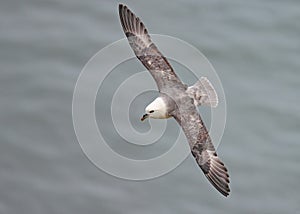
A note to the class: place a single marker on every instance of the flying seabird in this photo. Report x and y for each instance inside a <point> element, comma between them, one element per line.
<point>177,100</point>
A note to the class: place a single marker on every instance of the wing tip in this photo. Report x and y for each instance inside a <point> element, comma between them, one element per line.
<point>219,177</point>
<point>215,171</point>
<point>221,186</point>
<point>121,7</point>
<point>128,19</point>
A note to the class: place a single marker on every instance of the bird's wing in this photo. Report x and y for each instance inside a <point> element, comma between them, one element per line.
<point>202,148</point>
<point>146,51</point>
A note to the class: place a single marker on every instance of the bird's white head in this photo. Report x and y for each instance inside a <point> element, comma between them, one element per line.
<point>157,110</point>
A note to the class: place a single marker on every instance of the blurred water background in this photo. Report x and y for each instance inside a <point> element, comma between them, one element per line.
<point>254,47</point>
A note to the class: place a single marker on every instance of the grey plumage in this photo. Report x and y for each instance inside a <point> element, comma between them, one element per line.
<point>146,51</point>
<point>180,101</point>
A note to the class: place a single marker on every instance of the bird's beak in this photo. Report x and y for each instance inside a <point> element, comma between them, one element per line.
<point>145,116</point>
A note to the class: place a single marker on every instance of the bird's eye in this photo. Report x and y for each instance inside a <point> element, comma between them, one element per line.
<point>151,111</point>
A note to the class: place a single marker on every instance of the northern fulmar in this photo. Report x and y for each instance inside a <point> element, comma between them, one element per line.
<point>177,100</point>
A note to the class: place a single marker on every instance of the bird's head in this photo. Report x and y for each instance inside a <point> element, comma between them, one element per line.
<point>157,110</point>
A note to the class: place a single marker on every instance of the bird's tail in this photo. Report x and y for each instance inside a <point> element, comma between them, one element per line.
<point>203,93</point>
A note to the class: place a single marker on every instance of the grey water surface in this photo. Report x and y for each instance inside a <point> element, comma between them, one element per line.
<point>255,49</point>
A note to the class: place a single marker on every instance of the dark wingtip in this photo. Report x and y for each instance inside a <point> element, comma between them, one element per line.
<point>216,172</point>
<point>219,180</point>
<point>121,7</point>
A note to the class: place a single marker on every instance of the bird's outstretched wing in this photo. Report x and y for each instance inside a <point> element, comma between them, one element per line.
<point>146,51</point>
<point>202,148</point>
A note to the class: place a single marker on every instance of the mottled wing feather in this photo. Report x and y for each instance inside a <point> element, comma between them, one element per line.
<point>146,51</point>
<point>202,148</point>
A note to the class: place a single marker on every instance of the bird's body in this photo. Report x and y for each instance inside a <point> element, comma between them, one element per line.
<point>177,100</point>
